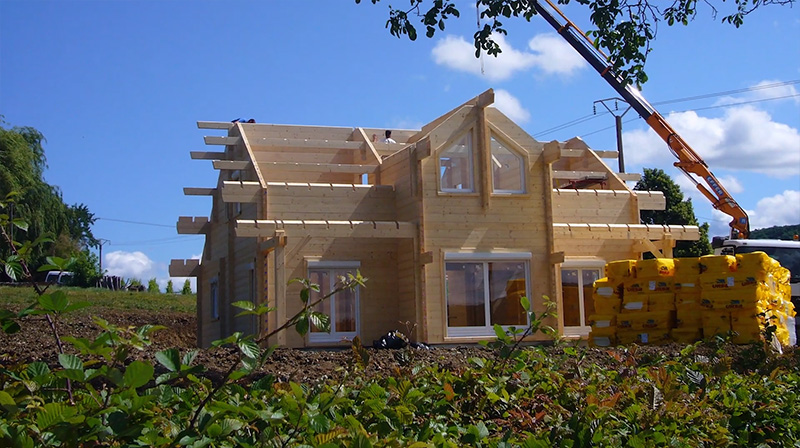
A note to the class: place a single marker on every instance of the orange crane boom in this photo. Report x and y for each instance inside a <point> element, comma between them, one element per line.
<point>688,160</point>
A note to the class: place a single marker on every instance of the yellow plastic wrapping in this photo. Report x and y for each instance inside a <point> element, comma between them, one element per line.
<point>620,270</point>
<point>651,337</point>
<point>655,267</point>
<point>715,264</point>
<point>646,321</point>
<point>716,322</point>
<point>603,320</point>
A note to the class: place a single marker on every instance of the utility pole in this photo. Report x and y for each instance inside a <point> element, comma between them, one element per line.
<point>618,122</point>
<point>100,243</point>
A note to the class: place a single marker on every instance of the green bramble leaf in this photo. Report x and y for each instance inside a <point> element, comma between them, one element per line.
<point>169,358</point>
<point>137,374</point>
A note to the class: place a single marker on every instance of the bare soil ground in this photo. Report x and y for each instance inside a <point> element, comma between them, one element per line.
<point>36,343</point>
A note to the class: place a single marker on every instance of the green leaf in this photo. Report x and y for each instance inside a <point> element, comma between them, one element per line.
<point>38,369</point>
<point>54,413</point>
<point>360,441</point>
<point>138,374</point>
<point>320,320</point>
<point>302,326</point>
<point>214,430</point>
<point>56,302</point>
<point>76,306</point>
<point>245,305</point>
<point>69,361</point>
<point>249,348</point>
<point>525,302</point>
<point>20,224</point>
<point>7,401</point>
<point>169,358</point>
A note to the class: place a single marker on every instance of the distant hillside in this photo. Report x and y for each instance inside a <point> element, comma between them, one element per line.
<point>776,233</point>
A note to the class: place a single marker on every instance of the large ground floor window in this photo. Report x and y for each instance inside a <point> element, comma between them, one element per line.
<point>577,280</point>
<point>484,289</point>
<point>342,307</point>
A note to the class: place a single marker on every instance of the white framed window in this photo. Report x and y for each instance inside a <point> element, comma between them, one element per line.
<point>484,289</point>
<point>342,307</point>
<point>455,167</point>
<point>577,280</point>
<point>214,302</point>
<point>508,173</point>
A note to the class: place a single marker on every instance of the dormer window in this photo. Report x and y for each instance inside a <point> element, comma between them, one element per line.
<point>508,175</point>
<point>455,167</point>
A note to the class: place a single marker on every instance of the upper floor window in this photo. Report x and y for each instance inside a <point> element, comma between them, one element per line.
<point>508,175</point>
<point>455,167</point>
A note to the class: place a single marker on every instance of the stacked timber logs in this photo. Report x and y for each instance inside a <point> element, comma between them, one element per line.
<point>687,299</point>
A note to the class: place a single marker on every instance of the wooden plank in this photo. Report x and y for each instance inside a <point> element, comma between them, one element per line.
<point>198,191</point>
<point>231,164</point>
<point>299,132</point>
<point>327,229</point>
<point>184,268</point>
<point>481,100</point>
<point>651,200</point>
<point>318,189</point>
<point>607,154</point>
<point>368,143</point>
<point>214,125</point>
<point>578,175</point>
<point>305,143</point>
<point>426,257</point>
<point>320,167</point>
<point>483,147</point>
<point>240,191</point>
<point>624,231</point>
<point>278,240</point>
<point>208,155</point>
<point>629,177</point>
<point>193,225</point>
<point>217,140</point>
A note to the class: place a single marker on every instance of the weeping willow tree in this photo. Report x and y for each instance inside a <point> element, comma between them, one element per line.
<point>22,166</point>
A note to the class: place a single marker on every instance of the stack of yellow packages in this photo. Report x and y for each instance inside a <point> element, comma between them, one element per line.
<point>648,303</point>
<point>607,298</point>
<point>689,318</point>
<point>744,294</point>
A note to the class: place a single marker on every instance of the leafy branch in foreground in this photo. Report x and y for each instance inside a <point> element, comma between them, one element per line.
<point>624,28</point>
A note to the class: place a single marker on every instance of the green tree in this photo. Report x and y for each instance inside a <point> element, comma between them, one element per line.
<point>187,287</point>
<point>678,211</point>
<point>22,165</point>
<point>170,287</point>
<point>623,28</point>
<point>86,269</point>
<point>776,233</point>
<point>152,286</point>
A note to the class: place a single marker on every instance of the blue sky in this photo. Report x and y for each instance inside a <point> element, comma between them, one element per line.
<point>117,87</point>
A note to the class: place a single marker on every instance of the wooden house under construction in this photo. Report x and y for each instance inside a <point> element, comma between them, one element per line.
<point>451,224</point>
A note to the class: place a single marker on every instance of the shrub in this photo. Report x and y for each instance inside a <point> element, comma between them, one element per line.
<point>152,286</point>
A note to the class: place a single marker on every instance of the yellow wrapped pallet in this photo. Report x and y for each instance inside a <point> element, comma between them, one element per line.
<point>716,322</point>
<point>687,284</point>
<point>753,262</point>
<point>747,325</point>
<point>737,299</point>
<point>716,264</point>
<point>647,285</point>
<point>606,297</point>
<point>603,337</point>
<point>687,267</point>
<point>655,267</point>
<point>686,335</point>
<point>602,320</point>
<point>688,317</point>
<point>688,300</point>
<point>649,337</point>
<point>620,270</point>
<point>646,321</point>
<point>634,303</point>
<point>664,301</point>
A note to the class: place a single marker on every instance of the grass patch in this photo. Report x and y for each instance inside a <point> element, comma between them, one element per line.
<point>104,298</point>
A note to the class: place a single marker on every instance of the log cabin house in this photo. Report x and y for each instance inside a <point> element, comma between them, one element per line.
<point>451,224</point>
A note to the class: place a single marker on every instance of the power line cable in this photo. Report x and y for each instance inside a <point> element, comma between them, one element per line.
<point>136,222</point>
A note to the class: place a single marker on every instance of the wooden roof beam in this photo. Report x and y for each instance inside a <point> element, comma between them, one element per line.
<point>240,191</point>
<point>214,124</point>
<point>304,143</point>
<point>231,164</point>
<point>651,200</point>
<point>184,268</point>
<point>327,229</point>
<point>624,231</point>
<point>320,167</point>
<point>208,155</point>
<point>629,177</point>
<point>279,240</point>
<point>198,191</point>
<point>193,225</point>
<point>578,175</point>
<point>217,140</point>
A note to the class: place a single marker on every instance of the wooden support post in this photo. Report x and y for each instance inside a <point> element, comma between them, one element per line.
<point>280,291</point>
<point>667,244</point>
<point>484,147</point>
<point>278,240</point>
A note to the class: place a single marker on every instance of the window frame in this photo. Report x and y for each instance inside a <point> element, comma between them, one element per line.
<point>485,258</point>
<point>579,265</point>
<point>471,162</point>
<point>331,266</point>
<point>522,165</point>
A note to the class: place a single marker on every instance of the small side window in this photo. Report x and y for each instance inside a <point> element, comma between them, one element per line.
<point>508,175</point>
<point>455,167</point>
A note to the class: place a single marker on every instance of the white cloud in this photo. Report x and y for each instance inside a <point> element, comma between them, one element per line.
<point>549,53</point>
<point>510,105</point>
<point>139,266</point>
<point>554,55</point>
<point>745,139</point>
<point>779,210</point>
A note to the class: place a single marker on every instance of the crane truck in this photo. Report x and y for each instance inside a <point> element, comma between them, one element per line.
<point>689,162</point>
